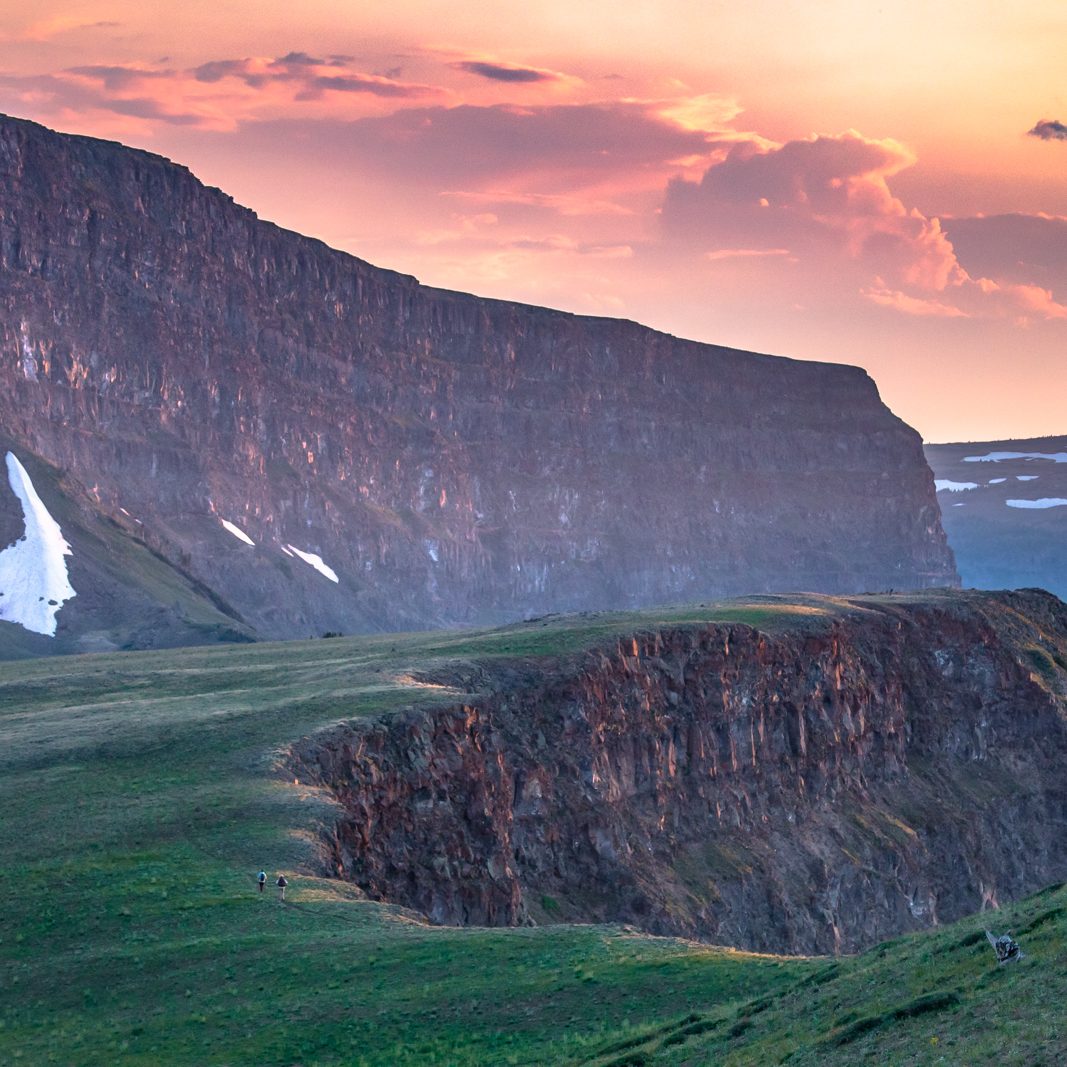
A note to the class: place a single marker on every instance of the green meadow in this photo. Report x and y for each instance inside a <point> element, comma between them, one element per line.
<point>141,792</point>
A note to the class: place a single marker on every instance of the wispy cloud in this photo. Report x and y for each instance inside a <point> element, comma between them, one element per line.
<point>219,94</point>
<point>47,29</point>
<point>913,305</point>
<point>1049,130</point>
<point>507,72</point>
<point>745,253</point>
<point>551,153</point>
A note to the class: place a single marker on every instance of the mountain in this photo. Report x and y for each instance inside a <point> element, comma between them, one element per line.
<point>322,445</point>
<point>1004,508</point>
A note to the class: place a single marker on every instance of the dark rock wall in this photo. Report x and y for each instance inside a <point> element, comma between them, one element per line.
<point>815,790</point>
<point>451,458</point>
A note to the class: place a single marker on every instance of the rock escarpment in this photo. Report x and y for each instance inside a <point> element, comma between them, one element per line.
<point>448,458</point>
<point>814,788</point>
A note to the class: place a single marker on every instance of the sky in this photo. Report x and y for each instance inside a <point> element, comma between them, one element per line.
<point>882,185</point>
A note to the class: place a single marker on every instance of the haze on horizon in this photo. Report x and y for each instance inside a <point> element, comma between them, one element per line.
<point>879,187</point>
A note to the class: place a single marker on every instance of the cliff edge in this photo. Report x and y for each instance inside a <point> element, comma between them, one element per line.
<point>326,445</point>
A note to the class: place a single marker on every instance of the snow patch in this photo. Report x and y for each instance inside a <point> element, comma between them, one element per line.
<point>237,532</point>
<point>34,583</point>
<point>1044,502</point>
<point>1026,477</point>
<point>951,486</point>
<point>997,481</point>
<point>996,457</point>
<point>317,563</point>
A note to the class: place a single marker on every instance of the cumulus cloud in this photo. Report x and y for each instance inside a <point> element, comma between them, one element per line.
<point>1049,130</point>
<point>827,200</point>
<point>821,196</point>
<point>506,72</point>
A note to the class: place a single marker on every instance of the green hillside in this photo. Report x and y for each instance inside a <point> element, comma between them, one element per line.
<point>141,792</point>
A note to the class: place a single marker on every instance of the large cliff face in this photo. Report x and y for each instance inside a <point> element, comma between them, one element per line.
<point>886,766</point>
<point>449,458</point>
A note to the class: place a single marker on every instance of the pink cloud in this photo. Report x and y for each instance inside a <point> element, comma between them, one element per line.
<point>827,199</point>
<point>217,95</point>
<point>913,305</point>
<point>745,253</point>
<point>553,154</point>
<point>57,25</point>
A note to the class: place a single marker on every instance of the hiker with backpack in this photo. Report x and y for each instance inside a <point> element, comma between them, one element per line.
<point>261,878</point>
<point>281,884</point>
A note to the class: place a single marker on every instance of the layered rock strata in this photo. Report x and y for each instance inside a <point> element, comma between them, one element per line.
<point>889,766</point>
<point>445,458</point>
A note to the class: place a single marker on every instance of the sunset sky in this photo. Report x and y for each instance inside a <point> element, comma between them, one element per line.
<point>883,185</point>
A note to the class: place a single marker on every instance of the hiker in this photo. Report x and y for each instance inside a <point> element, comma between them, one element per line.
<point>282,883</point>
<point>261,878</point>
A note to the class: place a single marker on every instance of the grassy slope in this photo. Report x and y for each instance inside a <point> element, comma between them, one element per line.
<point>138,799</point>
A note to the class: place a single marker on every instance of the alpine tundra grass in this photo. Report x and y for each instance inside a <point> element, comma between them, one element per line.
<point>141,792</point>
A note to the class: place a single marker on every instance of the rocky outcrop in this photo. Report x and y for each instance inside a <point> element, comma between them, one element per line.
<point>816,787</point>
<point>449,458</point>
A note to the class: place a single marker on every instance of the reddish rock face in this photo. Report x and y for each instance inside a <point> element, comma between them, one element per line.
<point>814,790</point>
<point>450,458</point>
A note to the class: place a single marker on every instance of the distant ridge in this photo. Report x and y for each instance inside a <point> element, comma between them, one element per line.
<point>1008,527</point>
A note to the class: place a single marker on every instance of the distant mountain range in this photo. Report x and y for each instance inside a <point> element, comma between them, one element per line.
<point>253,435</point>
<point>1004,508</point>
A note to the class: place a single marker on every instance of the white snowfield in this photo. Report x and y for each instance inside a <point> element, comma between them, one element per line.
<point>997,481</point>
<point>1044,502</point>
<point>237,532</point>
<point>996,457</point>
<point>953,487</point>
<point>1026,477</point>
<point>316,562</point>
<point>34,583</point>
